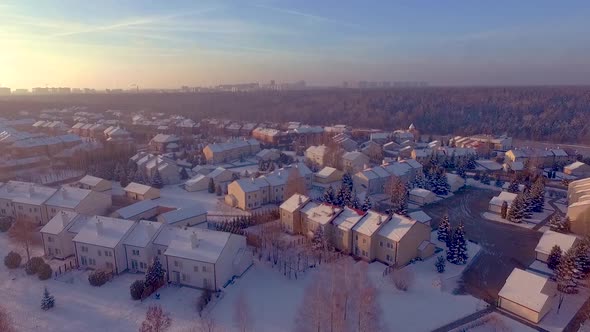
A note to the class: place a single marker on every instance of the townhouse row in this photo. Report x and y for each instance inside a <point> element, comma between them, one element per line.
<point>393,240</point>
<point>194,257</point>
<point>37,203</point>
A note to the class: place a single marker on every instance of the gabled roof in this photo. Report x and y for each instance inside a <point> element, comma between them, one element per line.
<point>136,208</point>
<point>320,213</point>
<point>551,238</point>
<point>137,188</point>
<point>396,228</point>
<point>348,218</point>
<point>90,180</point>
<point>178,215</point>
<point>68,197</point>
<point>194,243</point>
<point>525,288</point>
<point>420,216</point>
<point>143,233</point>
<point>108,235</point>
<point>294,202</point>
<point>370,223</point>
<point>59,222</point>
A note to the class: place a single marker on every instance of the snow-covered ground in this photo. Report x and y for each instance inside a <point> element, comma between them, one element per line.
<point>530,223</point>
<point>494,322</point>
<point>273,300</point>
<point>541,267</point>
<point>555,321</point>
<point>177,197</point>
<point>473,183</point>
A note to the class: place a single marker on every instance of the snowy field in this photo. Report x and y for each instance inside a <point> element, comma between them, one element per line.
<point>494,322</point>
<point>273,300</point>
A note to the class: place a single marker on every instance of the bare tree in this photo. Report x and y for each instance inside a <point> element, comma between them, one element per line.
<point>311,316</point>
<point>369,311</point>
<point>205,324</point>
<point>295,183</point>
<point>156,320</point>
<point>6,323</point>
<point>242,316</point>
<point>23,233</point>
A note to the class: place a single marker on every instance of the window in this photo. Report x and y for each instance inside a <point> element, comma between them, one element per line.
<point>185,277</point>
<point>203,268</point>
<point>49,239</point>
<point>196,268</point>
<point>99,253</point>
<point>364,241</point>
<point>142,265</point>
<point>389,258</point>
<point>135,252</point>
<point>178,264</point>
<point>20,207</point>
<point>381,243</point>
<point>57,251</point>
<point>108,253</point>
<point>84,249</point>
<point>159,251</point>
<point>356,237</point>
<point>91,261</point>
<point>364,253</point>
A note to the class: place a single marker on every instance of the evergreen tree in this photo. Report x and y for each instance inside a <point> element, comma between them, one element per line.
<point>419,181</point>
<point>471,162</point>
<point>157,181</point>
<point>554,257</point>
<point>48,301</point>
<point>527,204</point>
<point>119,172</point>
<point>440,184</point>
<point>440,264</point>
<point>444,229</point>
<point>461,244</point>
<point>347,181</point>
<point>582,261</point>
<point>154,276</point>
<point>367,205</point>
<point>513,187</point>
<point>485,178</point>
<point>461,171</point>
<point>125,180</point>
<point>556,223</point>
<point>516,211</point>
<point>451,247</point>
<point>211,187</point>
<point>329,196</point>
<point>341,197</point>
<point>183,174</point>
<point>218,190</point>
<point>499,183</point>
<point>565,274</point>
<point>355,204</point>
<point>538,195</point>
<point>398,196</point>
<point>504,210</point>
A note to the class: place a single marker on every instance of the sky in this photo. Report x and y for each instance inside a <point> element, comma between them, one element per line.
<point>167,44</point>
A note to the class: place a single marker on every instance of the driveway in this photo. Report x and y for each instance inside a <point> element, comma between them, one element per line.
<point>503,246</point>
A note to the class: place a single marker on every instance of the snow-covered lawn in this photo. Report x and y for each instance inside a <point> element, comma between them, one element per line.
<point>177,197</point>
<point>536,218</point>
<point>494,322</point>
<point>473,183</point>
<point>554,321</point>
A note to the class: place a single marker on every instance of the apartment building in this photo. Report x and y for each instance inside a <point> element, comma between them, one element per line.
<point>579,206</point>
<point>232,150</point>
<point>25,200</point>
<point>79,200</point>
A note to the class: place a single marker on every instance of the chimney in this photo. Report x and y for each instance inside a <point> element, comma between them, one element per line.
<point>194,240</point>
<point>150,229</point>
<point>64,218</point>
<point>380,220</point>
<point>300,200</point>
<point>99,226</point>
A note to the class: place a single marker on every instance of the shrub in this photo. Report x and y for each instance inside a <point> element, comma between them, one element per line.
<point>98,278</point>
<point>403,278</point>
<point>12,260</point>
<point>44,271</point>
<point>5,224</point>
<point>136,289</point>
<point>32,266</point>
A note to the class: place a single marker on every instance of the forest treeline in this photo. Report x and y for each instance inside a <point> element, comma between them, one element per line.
<point>558,114</point>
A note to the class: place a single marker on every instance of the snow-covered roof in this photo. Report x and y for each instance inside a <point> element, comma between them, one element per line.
<point>503,197</point>
<point>26,192</point>
<point>294,202</point>
<point>249,185</point>
<point>326,172</point>
<point>347,219</point>
<point>525,288</point>
<point>59,222</point>
<point>175,216</point>
<point>489,164</point>
<point>370,223</point>
<point>420,192</point>
<point>137,188</point>
<point>354,156</point>
<point>137,208</point>
<point>68,197</point>
<point>551,238</point>
<point>90,180</point>
<point>142,233</point>
<point>396,228</point>
<point>575,165</point>
<point>193,243</point>
<point>217,172</point>
<point>420,216</point>
<point>104,231</point>
<point>163,138</point>
<point>320,213</point>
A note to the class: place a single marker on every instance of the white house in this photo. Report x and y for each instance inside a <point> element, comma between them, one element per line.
<point>83,201</point>
<point>497,201</point>
<point>58,233</point>
<point>421,196</point>
<point>141,210</point>
<point>354,161</point>
<point>202,258</point>
<point>527,295</point>
<point>99,243</point>
<point>138,245</point>
<point>550,239</point>
<point>25,200</point>
<point>94,183</point>
<point>191,216</point>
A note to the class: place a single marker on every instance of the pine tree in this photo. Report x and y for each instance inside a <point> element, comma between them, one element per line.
<point>329,196</point>
<point>154,276</point>
<point>485,178</point>
<point>516,211</point>
<point>441,183</point>
<point>513,187</point>
<point>554,257</point>
<point>367,205</point>
<point>347,181</point>
<point>461,244</point>
<point>504,210</point>
<point>218,190</point>
<point>461,171</point>
<point>355,204</point>
<point>48,301</point>
<point>157,181</point>
<point>582,261</point>
<point>565,274</point>
<point>558,224</point>
<point>527,204</point>
<point>440,264</point>
<point>451,247</point>
<point>211,187</point>
<point>499,183</point>
<point>444,229</point>
<point>398,196</point>
<point>419,181</point>
<point>538,195</point>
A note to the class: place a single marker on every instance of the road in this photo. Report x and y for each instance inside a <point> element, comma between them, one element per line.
<point>504,246</point>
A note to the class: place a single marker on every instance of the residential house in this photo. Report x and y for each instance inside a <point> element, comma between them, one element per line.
<point>248,194</point>
<point>578,210</point>
<point>146,209</point>
<point>355,161</point>
<point>25,200</point>
<point>550,239</point>
<point>527,295</point>
<point>140,192</point>
<point>99,244</point>
<point>327,175</point>
<point>496,202</point>
<point>421,196</point>
<point>162,143</point>
<point>268,155</point>
<point>185,217</point>
<point>373,150</point>
<point>317,215</point>
<point>83,201</point>
<point>363,235</point>
<point>58,233</point>
<point>317,155</point>
<point>420,216</point>
<point>342,233</point>
<point>232,150</point>
<point>139,248</point>
<point>290,212</point>
<point>401,240</point>
<point>94,183</point>
<point>577,169</point>
<point>149,163</point>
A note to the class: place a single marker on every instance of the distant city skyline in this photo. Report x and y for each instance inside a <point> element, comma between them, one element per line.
<point>123,44</point>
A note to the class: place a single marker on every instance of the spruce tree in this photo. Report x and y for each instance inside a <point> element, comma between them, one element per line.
<point>452,250</point>
<point>48,301</point>
<point>527,204</point>
<point>183,174</point>
<point>329,197</point>
<point>582,261</point>
<point>538,195</point>
<point>444,229</point>
<point>565,274</point>
<point>154,276</point>
<point>347,181</point>
<point>367,205</point>
<point>355,204</point>
<point>516,211</point>
<point>513,187</point>
<point>211,186</point>
<point>440,264</point>
<point>485,178</point>
<point>554,257</point>
<point>157,181</point>
<point>461,244</point>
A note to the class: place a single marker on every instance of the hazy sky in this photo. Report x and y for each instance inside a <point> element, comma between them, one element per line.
<point>172,43</point>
